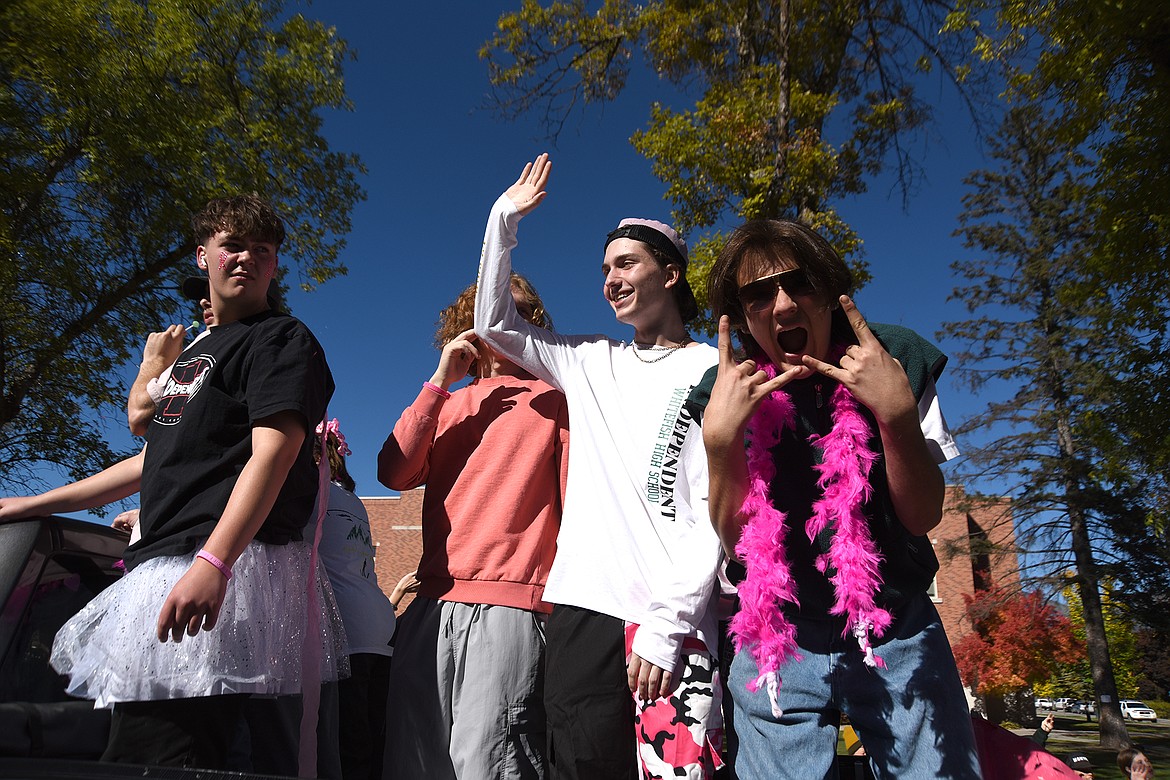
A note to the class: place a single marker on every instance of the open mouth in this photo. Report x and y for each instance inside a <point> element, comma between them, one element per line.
<point>793,341</point>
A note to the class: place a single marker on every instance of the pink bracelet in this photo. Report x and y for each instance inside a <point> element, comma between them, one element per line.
<point>436,389</point>
<point>224,569</point>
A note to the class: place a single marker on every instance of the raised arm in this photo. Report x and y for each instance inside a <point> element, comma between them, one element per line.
<point>497,322</point>
<point>113,484</point>
<point>876,379</point>
<point>161,351</point>
<point>196,599</point>
<point>405,459</point>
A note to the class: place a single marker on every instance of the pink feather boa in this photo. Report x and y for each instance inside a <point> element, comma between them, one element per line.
<point>760,624</point>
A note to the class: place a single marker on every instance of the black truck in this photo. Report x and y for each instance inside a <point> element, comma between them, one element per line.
<point>50,567</point>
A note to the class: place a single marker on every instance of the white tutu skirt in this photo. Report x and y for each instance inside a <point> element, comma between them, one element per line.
<point>110,651</point>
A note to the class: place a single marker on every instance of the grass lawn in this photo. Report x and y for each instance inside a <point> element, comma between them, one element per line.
<point>1072,733</point>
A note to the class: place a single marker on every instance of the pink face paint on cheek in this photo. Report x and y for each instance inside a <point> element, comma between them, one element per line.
<point>223,258</point>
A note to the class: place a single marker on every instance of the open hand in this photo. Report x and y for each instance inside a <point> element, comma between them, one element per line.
<point>646,680</point>
<point>528,191</point>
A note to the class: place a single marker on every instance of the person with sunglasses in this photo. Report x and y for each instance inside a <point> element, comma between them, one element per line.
<point>823,447</point>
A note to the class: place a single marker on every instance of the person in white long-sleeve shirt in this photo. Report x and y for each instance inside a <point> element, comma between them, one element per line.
<point>633,580</point>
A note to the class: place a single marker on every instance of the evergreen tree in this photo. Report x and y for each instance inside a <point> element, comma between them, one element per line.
<point>1033,337</point>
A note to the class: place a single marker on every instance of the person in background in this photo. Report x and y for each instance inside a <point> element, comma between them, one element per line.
<point>1041,734</point>
<point>1134,764</point>
<point>1080,763</point>
<point>467,682</point>
<point>357,714</point>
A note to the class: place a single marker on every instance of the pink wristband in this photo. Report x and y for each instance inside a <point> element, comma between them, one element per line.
<point>224,569</point>
<point>436,389</point>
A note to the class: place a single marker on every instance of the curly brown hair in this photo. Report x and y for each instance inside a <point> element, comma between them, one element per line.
<point>243,215</point>
<point>460,315</point>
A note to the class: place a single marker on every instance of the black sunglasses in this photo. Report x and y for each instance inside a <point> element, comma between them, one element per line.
<point>761,294</point>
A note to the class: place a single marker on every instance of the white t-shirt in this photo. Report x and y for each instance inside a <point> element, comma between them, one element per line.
<point>635,543</point>
<point>347,553</point>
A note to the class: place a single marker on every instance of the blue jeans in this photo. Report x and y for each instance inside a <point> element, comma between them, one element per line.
<point>911,716</point>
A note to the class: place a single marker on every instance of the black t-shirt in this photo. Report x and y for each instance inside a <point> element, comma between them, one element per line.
<point>908,562</point>
<point>201,434</point>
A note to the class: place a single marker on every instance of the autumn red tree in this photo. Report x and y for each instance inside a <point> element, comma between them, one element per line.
<point>1018,640</point>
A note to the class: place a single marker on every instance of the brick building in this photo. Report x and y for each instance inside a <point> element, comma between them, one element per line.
<point>396,526</point>
<point>975,544</point>
<point>976,548</point>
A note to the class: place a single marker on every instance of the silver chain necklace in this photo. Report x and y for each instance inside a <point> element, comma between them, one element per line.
<point>666,351</point>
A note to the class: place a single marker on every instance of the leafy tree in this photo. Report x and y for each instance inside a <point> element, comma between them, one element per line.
<point>1034,335</point>
<point>1018,641</point>
<point>118,120</point>
<point>801,101</point>
<point>1104,69</point>
<point>1119,633</point>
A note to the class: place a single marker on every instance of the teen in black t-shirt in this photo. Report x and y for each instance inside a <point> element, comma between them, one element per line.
<point>228,483</point>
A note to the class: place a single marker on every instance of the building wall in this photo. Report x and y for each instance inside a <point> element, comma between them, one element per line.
<point>976,548</point>
<point>396,526</point>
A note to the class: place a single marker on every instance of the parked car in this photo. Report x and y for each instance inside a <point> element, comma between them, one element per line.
<point>1062,704</point>
<point>1083,707</point>
<point>1044,704</point>
<point>50,567</point>
<point>1132,709</point>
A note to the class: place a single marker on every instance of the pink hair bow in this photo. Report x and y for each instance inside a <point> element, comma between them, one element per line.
<point>335,428</point>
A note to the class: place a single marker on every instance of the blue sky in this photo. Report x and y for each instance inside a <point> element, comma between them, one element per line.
<point>437,160</point>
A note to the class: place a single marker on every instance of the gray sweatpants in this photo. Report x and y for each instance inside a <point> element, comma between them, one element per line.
<point>466,693</point>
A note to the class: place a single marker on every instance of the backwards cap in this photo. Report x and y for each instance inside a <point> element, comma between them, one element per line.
<point>657,234</point>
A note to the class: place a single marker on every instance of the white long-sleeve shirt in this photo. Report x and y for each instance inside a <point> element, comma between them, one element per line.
<point>634,543</point>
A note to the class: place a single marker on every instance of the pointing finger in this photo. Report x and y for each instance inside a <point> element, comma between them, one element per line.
<point>781,379</point>
<point>865,336</point>
<point>828,369</point>
<point>726,356</point>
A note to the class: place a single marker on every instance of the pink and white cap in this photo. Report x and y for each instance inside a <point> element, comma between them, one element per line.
<point>651,231</point>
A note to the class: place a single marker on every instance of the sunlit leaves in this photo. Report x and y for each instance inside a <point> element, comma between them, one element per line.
<point>1018,640</point>
<point>118,120</point>
<point>797,104</point>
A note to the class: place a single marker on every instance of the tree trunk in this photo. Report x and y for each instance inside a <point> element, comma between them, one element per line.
<point>783,115</point>
<point>1114,735</point>
<point>1073,476</point>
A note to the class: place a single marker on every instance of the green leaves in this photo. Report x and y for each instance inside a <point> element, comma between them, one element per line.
<point>798,103</point>
<point>118,120</point>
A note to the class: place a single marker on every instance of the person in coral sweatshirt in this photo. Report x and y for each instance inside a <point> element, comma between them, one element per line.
<point>466,685</point>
